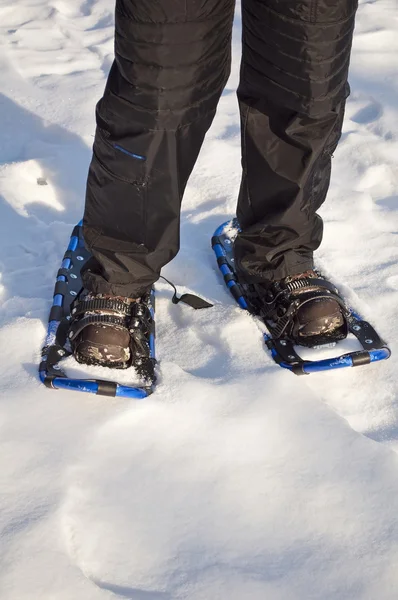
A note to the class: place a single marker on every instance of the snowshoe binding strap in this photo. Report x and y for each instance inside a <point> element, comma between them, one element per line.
<point>280,305</point>
<point>135,318</point>
<point>81,306</point>
<point>303,283</point>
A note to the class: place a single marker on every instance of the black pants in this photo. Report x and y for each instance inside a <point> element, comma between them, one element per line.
<point>172,60</point>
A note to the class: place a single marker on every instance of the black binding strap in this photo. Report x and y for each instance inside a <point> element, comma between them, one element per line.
<point>222,260</point>
<point>100,304</point>
<point>79,325</point>
<point>310,282</point>
<point>63,272</point>
<point>318,294</point>
<point>56,313</point>
<point>61,287</point>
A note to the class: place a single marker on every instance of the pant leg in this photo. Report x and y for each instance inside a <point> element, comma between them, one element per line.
<point>172,60</point>
<point>292,95</point>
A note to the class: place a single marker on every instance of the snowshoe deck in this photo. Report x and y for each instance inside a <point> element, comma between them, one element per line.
<point>57,347</point>
<point>282,348</point>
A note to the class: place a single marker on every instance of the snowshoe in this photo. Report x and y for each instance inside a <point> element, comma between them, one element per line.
<point>98,331</point>
<point>306,310</point>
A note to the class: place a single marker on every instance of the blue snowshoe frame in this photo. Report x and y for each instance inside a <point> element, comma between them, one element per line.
<point>282,349</point>
<point>56,346</point>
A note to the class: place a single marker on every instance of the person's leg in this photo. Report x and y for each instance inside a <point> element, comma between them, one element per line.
<point>172,60</point>
<point>292,96</point>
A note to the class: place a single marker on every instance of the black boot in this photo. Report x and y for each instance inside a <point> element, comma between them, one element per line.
<point>113,331</point>
<point>306,307</point>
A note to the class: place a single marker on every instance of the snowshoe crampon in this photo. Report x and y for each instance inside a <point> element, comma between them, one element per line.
<point>281,346</point>
<point>57,347</point>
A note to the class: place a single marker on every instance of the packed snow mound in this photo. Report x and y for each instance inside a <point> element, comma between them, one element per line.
<point>210,496</point>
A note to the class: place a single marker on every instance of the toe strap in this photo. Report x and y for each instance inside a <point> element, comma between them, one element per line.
<point>78,325</point>
<point>109,305</point>
<point>309,283</point>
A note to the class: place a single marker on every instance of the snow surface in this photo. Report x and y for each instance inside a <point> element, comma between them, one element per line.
<point>235,480</point>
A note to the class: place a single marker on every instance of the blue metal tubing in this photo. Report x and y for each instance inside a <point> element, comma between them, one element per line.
<point>152,345</point>
<point>219,251</point>
<point>152,348</point>
<point>91,387</point>
<point>339,362</point>
<point>242,303</point>
<point>74,241</point>
<point>225,270</point>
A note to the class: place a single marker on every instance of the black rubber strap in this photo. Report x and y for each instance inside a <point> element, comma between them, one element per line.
<point>56,313</point>
<point>236,291</point>
<point>79,325</point>
<point>229,277</point>
<point>360,358</point>
<point>62,333</point>
<point>299,369</point>
<point>61,287</point>
<point>310,282</point>
<point>63,272</point>
<point>101,304</point>
<point>216,240</point>
<point>106,388</point>
<point>309,296</point>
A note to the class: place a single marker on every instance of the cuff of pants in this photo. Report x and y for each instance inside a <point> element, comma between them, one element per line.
<point>97,284</point>
<point>289,264</point>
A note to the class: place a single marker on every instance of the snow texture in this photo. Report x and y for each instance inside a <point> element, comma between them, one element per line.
<point>235,480</point>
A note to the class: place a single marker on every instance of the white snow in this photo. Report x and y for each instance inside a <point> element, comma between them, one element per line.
<point>235,480</point>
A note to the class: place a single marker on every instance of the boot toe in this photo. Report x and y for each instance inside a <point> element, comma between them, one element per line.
<point>319,317</point>
<point>103,344</point>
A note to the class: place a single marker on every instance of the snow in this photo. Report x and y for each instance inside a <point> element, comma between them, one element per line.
<point>235,479</point>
